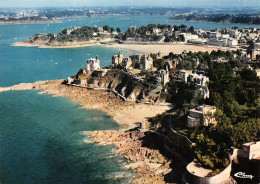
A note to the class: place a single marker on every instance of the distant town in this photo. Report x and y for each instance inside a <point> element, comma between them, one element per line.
<point>49,15</point>
<point>219,18</point>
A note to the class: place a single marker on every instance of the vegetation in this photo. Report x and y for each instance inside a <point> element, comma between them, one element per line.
<point>236,96</point>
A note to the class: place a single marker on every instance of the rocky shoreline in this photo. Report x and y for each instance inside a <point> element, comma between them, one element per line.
<point>142,150</point>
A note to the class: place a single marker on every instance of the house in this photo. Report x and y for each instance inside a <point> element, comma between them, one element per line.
<point>215,42</point>
<point>172,63</point>
<point>92,64</point>
<point>188,36</point>
<point>197,79</point>
<point>163,77</point>
<point>183,75</point>
<point>145,62</point>
<point>232,42</point>
<point>117,59</point>
<point>156,31</point>
<point>202,115</point>
<point>213,35</point>
<point>126,63</point>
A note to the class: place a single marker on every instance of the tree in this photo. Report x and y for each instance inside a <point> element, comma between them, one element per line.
<point>118,30</point>
<point>191,29</point>
<point>111,30</point>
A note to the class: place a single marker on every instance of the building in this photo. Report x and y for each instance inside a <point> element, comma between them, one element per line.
<point>156,31</point>
<point>202,115</point>
<point>189,36</point>
<point>213,35</point>
<point>200,81</point>
<point>172,64</point>
<point>183,75</point>
<point>197,80</point>
<point>163,77</point>
<point>126,63</point>
<point>93,64</point>
<point>145,62</point>
<point>117,59</point>
<point>215,42</point>
<point>232,42</point>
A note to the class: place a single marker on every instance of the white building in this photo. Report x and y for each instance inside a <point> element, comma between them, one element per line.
<point>215,42</point>
<point>189,36</point>
<point>163,77</point>
<point>126,63</point>
<point>202,115</point>
<point>213,35</point>
<point>117,59</point>
<point>183,75</point>
<point>92,64</point>
<point>232,42</point>
<point>146,62</point>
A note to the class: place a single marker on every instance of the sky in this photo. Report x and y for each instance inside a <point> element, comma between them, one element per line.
<point>150,3</point>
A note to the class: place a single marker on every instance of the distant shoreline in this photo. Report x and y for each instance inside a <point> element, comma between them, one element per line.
<point>29,22</point>
<point>183,20</point>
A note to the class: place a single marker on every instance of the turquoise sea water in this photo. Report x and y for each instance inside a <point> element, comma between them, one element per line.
<point>42,141</point>
<point>41,138</point>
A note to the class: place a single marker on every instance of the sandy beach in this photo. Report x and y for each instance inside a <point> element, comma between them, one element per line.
<point>176,48</point>
<point>27,44</point>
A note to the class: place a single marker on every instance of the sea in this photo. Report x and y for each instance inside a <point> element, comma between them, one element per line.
<point>41,137</point>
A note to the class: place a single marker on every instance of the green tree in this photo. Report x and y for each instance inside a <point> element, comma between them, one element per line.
<point>118,30</point>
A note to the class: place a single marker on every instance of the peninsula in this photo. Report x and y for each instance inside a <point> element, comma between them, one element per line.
<point>212,95</point>
<point>27,20</point>
<point>150,38</point>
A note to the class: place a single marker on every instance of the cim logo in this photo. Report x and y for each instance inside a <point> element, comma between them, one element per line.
<point>243,175</point>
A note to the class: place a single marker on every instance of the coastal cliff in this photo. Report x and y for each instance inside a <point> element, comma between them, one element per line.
<point>125,84</point>
<point>122,83</point>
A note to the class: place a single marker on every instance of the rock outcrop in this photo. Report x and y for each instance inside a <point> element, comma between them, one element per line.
<point>141,150</point>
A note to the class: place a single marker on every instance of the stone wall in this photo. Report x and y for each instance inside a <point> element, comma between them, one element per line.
<point>220,178</point>
<point>179,143</point>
